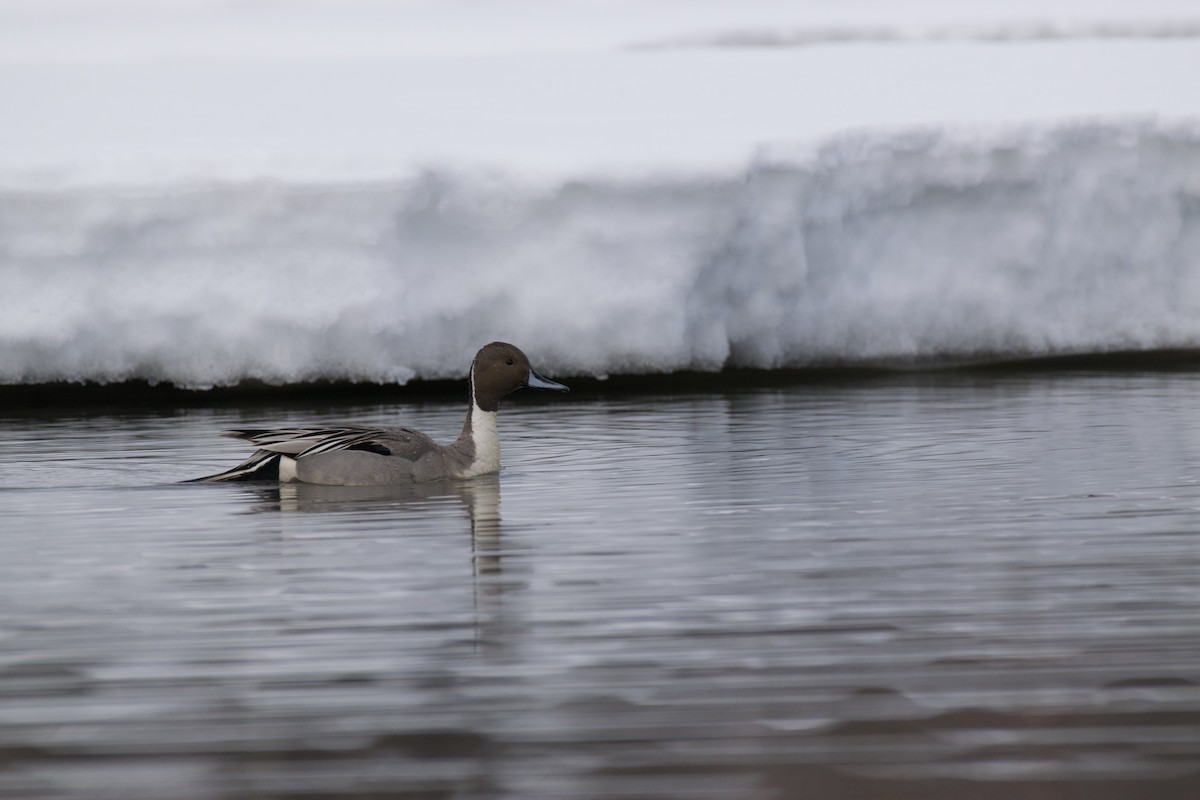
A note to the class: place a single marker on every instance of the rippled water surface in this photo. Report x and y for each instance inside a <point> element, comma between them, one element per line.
<point>926,587</point>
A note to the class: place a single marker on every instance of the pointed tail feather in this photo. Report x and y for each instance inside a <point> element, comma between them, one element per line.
<point>262,466</point>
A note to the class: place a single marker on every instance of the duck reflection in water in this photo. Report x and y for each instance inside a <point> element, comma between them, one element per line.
<point>479,497</point>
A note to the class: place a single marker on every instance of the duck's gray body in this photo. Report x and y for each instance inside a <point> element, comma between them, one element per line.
<point>352,456</point>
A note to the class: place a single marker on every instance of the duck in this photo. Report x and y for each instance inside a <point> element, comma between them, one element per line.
<point>358,456</point>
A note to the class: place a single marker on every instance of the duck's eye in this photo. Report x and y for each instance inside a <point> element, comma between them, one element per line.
<point>508,361</point>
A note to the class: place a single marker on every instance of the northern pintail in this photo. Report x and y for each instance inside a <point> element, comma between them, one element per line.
<point>352,456</point>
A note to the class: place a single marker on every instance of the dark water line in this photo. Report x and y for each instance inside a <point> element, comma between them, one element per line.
<point>140,393</point>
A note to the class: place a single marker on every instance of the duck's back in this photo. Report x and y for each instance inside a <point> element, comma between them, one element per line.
<point>304,442</point>
<point>404,443</point>
<point>345,455</point>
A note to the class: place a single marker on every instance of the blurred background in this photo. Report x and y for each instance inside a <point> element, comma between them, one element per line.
<point>205,191</point>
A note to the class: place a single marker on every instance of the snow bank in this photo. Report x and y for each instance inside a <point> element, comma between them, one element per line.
<point>872,247</point>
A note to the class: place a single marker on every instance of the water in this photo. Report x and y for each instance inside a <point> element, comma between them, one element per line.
<point>916,586</point>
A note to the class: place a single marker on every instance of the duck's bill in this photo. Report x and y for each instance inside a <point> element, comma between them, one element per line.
<point>535,381</point>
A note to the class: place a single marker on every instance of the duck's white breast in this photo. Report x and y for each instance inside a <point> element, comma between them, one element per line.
<point>487,443</point>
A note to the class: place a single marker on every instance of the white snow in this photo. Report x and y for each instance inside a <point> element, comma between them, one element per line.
<point>206,191</point>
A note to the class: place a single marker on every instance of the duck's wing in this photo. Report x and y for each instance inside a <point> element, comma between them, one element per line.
<point>274,444</point>
<point>300,442</point>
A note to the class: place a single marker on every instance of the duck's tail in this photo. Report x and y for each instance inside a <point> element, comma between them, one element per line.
<point>262,466</point>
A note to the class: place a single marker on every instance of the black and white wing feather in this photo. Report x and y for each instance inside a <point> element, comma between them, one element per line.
<point>298,441</point>
<point>301,442</point>
<point>275,444</point>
